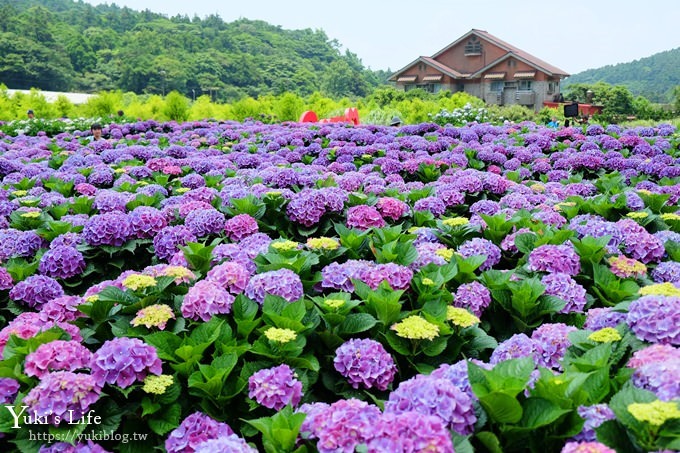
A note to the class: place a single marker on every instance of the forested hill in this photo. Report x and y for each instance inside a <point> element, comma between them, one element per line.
<point>653,77</point>
<point>66,45</point>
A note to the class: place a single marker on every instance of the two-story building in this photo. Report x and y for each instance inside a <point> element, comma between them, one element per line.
<point>484,66</point>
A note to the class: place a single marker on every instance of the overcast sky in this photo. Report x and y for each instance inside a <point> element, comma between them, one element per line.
<point>573,35</point>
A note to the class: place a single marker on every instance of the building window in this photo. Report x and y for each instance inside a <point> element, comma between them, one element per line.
<point>551,87</point>
<point>525,85</point>
<point>473,46</point>
<point>497,86</point>
<point>512,63</point>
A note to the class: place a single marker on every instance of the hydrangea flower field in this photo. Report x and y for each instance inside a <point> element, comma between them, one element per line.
<point>238,287</point>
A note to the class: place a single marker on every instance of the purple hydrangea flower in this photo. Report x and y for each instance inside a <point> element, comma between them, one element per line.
<point>594,416</point>
<point>410,432</point>
<point>668,271</point>
<point>230,275</point>
<point>306,207</point>
<point>599,318</point>
<point>275,387</point>
<point>6,280</point>
<point>552,341</point>
<point>433,204</point>
<point>203,222</point>
<point>236,254</point>
<point>85,189</point>
<point>36,290</point>
<point>484,247</point>
<point>339,276</point>
<point>564,287</point>
<point>661,378</point>
<point>63,396</point>
<point>586,447</point>
<point>9,240</point>
<point>392,208</point>
<point>655,319</point>
<point>472,296</point>
<point>62,262</point>
<point>67,239</point>
<point>231,443</point>
<point>457,374</point>
<point>122,361</point>
<point>364,217</point>
<point>515,347</point>
<point>58,355</point>
<point>8,390</point>
<point>644,247</point>
<point>29,324</point>
<point>432,396</point>
<point>63,447</point>
<point>111,200</point>
<point>193,431</point>
<point>427,254</point>
<point>555,258</point>
<point>283,283</point>
<point>398,276</point>
<point>168,240</point>
<point>657,369</point>
<point>206,299</point>
<point>340,427</point>
<point>366,363</point>
<point>240,226</point>
<point>656,353</point>
<point>62,309</point>
<point>147,222</point>
<point>111,228</point>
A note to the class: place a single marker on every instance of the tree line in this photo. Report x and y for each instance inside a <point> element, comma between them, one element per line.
<point>64,45</point>
<point>655,77</point>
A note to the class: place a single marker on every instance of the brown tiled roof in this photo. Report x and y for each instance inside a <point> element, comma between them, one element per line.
<point>442,67</point>
<point>526,56</point>
<point>519,52</point>
<point>432,63</point>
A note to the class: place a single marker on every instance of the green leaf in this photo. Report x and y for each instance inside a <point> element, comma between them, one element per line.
<point>356,323</point>
<point>166,344</point>
<point>539,412</point>
<point>435,347</point>
<point>525,242</point>
<point>149,407</point>
<point>501,407</point>
<point>614,435</point>
<point>400,345</point>
<point>307,361</point>
<point>244,308</point>
<point>207,332</point>
<point>490,441</point>
<point>114,294</point>
<point>461,444</point>
<point>167,420</point>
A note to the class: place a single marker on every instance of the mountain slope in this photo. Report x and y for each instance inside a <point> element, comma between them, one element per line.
<point>653,77</point>
<point>66,45</point>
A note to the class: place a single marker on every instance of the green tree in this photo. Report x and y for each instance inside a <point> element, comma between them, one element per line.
<point>337,81</point>
<point>289,107</point>
<point>176,107</point>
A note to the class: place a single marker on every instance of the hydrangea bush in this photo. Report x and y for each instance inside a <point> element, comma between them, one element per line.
<point>445,286</point>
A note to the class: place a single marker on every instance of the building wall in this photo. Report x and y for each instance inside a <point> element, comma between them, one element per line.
<point>455,57</point>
